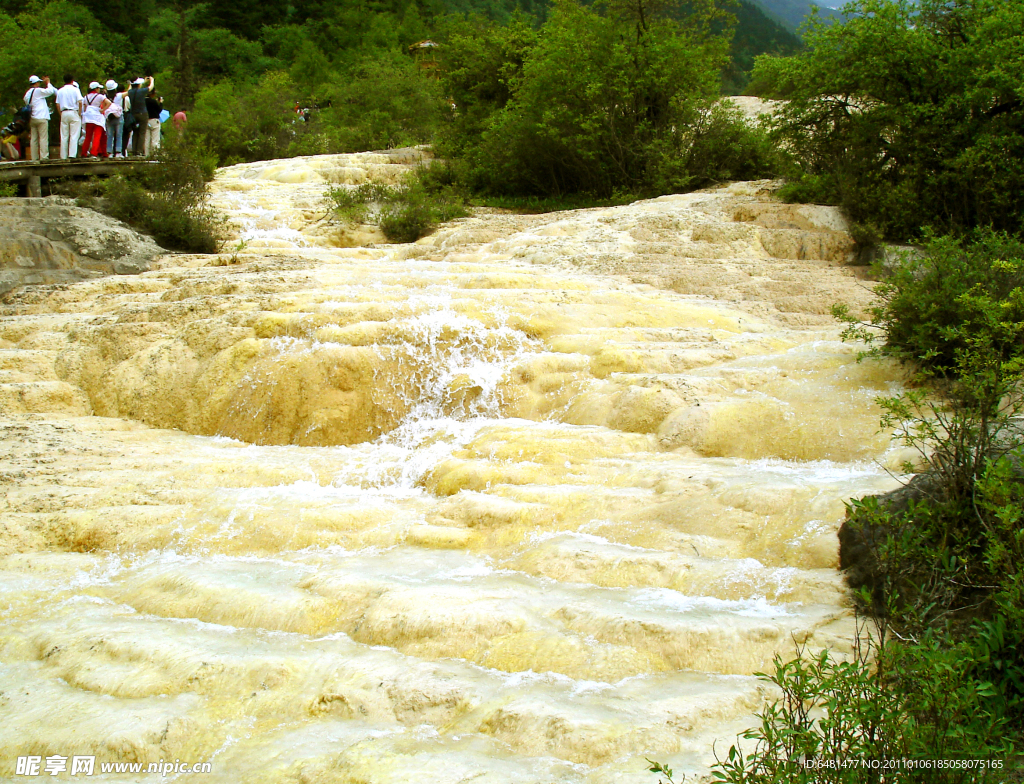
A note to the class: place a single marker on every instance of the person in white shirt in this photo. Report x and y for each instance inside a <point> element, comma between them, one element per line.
<point>95,104</point>
<point>69,101</point>
<point>39,124</point>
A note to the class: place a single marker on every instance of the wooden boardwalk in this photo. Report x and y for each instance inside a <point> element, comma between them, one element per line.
<point>37,171</point>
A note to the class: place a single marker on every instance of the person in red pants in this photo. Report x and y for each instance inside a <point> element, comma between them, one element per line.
<point>95,104</point>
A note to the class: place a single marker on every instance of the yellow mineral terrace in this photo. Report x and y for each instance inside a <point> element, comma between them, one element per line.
<point>528,501</point>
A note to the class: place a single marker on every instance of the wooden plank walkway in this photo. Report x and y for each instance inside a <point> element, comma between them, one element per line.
<point>36,171</point>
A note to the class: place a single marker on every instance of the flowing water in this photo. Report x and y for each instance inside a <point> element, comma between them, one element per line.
<point>527,501</point>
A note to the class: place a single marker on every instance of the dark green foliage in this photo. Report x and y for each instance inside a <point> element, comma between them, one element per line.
<point>601,101</point>
<point>405,212</point>
<point>247,122</point>
<point>169,201</point>
<point>482,63</point>
<point>245,17</point>
<point>908,114</point>
<point>958,300</point>
<point>382,102</point>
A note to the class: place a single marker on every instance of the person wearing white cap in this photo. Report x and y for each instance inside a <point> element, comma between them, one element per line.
<point>39,123</point>
<point>119,104</point>
<point>69,100</point>
<point>96,104</point>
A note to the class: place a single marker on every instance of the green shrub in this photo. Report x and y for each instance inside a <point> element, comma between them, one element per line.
<point>406,220</point>
<point>169,201</point>
<point>605,99</point>
<point>405,212</point>
<point>381,101</point>
<point>248,122</point>
<point>957,302</point>
<point>890,715</point>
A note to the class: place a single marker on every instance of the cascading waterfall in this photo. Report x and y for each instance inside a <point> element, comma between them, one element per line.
<point>527,501</point>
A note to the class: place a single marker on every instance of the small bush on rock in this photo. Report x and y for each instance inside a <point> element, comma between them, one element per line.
<point>405,213</point>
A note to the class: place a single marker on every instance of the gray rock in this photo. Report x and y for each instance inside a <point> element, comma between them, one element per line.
<point>51,240</point>
<point>888,257</point>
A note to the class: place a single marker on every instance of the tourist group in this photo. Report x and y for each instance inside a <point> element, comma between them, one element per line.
<point>105,122</point>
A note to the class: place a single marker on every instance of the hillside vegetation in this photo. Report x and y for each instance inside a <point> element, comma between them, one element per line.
<point>241,69</point>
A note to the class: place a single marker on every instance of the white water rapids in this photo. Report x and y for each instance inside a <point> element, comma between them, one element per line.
<point>528,501</point>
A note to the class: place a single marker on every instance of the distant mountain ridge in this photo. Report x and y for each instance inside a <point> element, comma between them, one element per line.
<point>792,13</point>
<point>757,32</point>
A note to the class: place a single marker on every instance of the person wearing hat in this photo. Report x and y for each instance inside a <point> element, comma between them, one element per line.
<point>137,95</point>
<point>119,104</point>
<point>39,123</point>
<point>69,101</point>
<point>96,104</point>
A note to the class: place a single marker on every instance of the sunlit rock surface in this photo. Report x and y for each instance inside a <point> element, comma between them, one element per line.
<point>53,241</point>
<point>527,501</point>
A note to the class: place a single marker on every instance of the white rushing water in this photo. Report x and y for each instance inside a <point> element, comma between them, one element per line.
<point>528,501</point>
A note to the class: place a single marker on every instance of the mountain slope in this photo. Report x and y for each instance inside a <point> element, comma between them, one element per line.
<point>792,13</point>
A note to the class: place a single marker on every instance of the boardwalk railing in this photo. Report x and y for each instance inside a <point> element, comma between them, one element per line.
<point>37,171</point>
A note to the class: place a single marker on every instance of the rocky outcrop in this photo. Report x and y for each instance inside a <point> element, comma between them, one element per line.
<point>53,241</point>
<point>860,536</point>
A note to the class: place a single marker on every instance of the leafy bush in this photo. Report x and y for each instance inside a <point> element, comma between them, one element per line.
<point>890,715</point>
<point>248,122</point>
<point>483,61</point>
<point>958,303</point>
<point>381,101</point>
<point>405,212</point>
<point>908,114</point>
<point>170,200</point>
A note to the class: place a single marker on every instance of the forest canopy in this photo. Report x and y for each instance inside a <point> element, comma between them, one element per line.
<point>240,69</point>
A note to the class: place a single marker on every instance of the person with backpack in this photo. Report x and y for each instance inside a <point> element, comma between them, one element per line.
<point>69,101</point>
<point>137,95</point>
<point>119,105</point>
<point>96,104</point>
<point>39,111</point>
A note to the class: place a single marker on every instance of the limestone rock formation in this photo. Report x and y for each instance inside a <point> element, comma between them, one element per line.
<point>53,241</point>
<point>528,500</point>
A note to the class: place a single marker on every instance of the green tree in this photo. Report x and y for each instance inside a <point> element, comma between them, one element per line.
<point>908,114</point>
<point>482,62</point>
<point>612,98</point>
<point>381,101</point>
<point>50,41</point>
<point>247,122</point>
